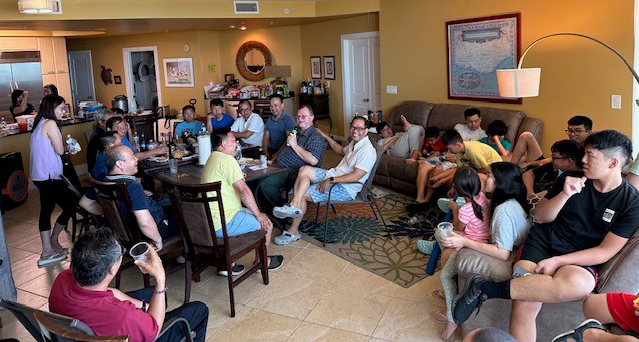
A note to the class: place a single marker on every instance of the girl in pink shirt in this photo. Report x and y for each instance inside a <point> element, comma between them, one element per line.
<point>472,220</point>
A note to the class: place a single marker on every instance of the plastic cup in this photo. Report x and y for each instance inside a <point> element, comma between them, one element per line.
<point>140,251</point>
<point>173,165</point>
<point>445,228</point>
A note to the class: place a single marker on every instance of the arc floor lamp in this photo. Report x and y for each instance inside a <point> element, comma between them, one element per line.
<point>520,82</point>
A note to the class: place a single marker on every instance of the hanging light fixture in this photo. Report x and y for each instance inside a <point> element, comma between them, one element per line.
<point>39,6</point>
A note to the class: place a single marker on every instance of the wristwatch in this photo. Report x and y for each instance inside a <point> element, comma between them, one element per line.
<point>145,306</point>
<point>331,179</point>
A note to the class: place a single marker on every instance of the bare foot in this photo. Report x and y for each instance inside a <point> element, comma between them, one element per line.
<point>410,161</point>
<point>407,125</point>
<point>448,331</point>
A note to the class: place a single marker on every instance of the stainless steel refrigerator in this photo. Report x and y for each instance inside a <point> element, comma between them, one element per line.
<point>20,70</point>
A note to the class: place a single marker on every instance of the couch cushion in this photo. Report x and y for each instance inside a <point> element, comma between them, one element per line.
<point>416,112</point>
<point>620,274</point>
<point>512,118</point>
<point>446,116</point>
<point>469,261</point>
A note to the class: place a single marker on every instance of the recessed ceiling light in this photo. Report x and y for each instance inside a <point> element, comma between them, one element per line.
<point>242,27</point>
<point>231,26</point>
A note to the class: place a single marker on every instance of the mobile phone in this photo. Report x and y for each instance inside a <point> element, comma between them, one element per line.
<point>520,272</point>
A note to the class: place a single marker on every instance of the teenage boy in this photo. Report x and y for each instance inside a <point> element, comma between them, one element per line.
<point>217,119</point>
<point>566,158</point>
<point>580,225</point>
<point>474,153</point>
<point>579,128</point>
<point>189,124</point>
<point>471,130</point>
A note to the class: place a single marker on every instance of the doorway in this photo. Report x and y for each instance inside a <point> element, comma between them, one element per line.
<point>140,74</point>
<point>362,85</point>
<point>81,72</point>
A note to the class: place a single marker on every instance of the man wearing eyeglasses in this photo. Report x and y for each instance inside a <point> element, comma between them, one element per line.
<point>248,126</point>
<point>306,147</point>
<point>312,183</point>
<point>579,128</point>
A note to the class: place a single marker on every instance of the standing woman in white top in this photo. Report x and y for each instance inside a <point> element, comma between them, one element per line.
<point>46,147</point>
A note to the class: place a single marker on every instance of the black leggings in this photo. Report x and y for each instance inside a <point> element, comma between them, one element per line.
<point>52,192</point>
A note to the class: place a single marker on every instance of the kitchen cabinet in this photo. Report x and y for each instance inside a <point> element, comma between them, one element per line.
<point>60,55</point>
<point>18,44</point>
<point>47,59</point>
<point>63,82</point>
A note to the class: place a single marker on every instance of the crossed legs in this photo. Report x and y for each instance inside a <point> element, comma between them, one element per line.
<point>305,178</point>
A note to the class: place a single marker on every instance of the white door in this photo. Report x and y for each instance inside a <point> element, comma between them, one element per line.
<point>81,73</point>
<point>360,58</point>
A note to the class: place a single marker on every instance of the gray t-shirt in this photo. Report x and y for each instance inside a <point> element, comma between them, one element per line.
<point>509,226</point>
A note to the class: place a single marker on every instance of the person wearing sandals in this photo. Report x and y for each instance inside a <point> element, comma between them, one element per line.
<point>46,147</point>
<point>509,224</point>
<point>471,221</point>
<point>606,308</point>
<point>223,167</point>
<point>579,225</point>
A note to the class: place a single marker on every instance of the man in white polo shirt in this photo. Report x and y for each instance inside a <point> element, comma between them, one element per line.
<point>249,126</point>
<point>312,183</point>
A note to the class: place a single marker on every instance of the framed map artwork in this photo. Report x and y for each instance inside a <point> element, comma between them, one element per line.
<point>477,48</point>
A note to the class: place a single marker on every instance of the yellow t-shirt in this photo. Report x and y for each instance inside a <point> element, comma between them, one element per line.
<point>478,154</point>
<point>223,168</point>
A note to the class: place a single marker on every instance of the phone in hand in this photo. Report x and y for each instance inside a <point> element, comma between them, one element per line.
<point>520,272</point>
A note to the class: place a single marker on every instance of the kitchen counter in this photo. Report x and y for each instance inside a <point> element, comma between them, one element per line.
<point>69,122</point>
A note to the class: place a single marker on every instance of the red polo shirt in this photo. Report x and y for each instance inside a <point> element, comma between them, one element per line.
<point>100,310</point>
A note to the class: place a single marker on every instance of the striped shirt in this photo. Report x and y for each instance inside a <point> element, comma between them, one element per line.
<point>476,229</point>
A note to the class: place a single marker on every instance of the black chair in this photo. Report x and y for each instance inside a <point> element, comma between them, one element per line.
<point>87,219</point>
<point>202,247</point>
<point>116,205</point>
<point>365,196</point>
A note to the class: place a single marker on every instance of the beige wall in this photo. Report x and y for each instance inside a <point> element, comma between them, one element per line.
<point>323,39</point>
<point>578,77</point>
<point>107,51</point>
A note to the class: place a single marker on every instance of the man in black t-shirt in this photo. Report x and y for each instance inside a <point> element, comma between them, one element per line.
<point>581,225</point>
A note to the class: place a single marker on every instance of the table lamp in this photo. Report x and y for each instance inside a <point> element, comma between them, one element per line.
<point>517,83</point>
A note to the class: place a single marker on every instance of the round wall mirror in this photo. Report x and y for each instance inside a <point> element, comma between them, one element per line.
<point>251,59</point>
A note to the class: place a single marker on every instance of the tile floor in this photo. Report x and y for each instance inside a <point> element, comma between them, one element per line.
<point>315,296</point>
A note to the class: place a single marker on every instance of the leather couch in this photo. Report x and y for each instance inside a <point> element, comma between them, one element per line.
<point>619,274</point>
<point>393,171</point>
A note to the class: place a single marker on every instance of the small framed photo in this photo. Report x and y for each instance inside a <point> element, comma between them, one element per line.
<point>329,67</point>
<point>178,72</point>
<point>117,79</point>
<point>316,67</point>
<point>229,77</point>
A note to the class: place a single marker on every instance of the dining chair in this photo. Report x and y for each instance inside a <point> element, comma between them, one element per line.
<point>365,196</point>
<point>116,205</point>
<point>192,205</point>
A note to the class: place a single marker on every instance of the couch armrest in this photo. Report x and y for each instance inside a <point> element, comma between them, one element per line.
<point>470,261</point>
<point>620,273</point>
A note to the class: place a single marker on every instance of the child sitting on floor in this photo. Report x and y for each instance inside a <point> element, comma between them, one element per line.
<point>472,220</point>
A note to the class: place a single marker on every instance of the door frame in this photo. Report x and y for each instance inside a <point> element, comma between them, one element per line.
<point>346,71</point>
<point>72,79</point>
<point>128,71</point>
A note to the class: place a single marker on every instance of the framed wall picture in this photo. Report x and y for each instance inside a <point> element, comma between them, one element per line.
<point>316,67</point>
<point>178,72</point>
<point>329,67</point>
<point>476,49</point>
<point>117,79</point>
<point>229,77</point>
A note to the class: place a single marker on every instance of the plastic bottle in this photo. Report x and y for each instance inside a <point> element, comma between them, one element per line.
<point>142,143</point>
<point>3,123</point>
<point>136,141</point>
<point>238,152</point>
<point>303,87</point>
<point>73,145</point>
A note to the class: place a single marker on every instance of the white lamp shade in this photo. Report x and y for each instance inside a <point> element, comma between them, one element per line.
<point>516,83</point>
<point>37,6</point>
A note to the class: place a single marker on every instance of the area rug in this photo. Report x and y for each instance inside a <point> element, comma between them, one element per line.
<point>354,234</point>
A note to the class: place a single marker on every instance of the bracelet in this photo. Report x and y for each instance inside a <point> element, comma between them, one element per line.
<point>161,291</point>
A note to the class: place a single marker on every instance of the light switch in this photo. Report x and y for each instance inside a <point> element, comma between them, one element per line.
<point>391,89</point>
<point>615,102</point>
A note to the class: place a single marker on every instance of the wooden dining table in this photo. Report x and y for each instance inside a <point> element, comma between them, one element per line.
<point>192,174</point>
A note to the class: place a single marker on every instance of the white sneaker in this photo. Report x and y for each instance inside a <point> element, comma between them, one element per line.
<point>286,238</point>
<point>287,210</point>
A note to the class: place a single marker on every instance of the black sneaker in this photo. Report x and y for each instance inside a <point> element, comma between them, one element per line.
<point>469,299</point>
<point>417,207</point>
<point>237,270</point>
<point>578,333</point>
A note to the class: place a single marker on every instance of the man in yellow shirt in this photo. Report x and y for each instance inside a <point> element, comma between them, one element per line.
<point>222,167</point>
<point>474,153</point>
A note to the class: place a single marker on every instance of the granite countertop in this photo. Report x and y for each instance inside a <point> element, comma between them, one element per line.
<point>68,122</point>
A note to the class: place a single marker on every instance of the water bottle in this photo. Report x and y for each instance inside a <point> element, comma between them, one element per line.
<point>142,143</point>
<point>263,161</point>
<point>73,145</point>
<point>238,152</point>
<point>3,123</point>
<point>136,141</point>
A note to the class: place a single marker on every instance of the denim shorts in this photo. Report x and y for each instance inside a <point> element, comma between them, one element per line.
<point>243,222</point>
<point>339,192</point>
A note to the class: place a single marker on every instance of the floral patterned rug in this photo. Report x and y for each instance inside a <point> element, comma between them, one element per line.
<point>355,234</point>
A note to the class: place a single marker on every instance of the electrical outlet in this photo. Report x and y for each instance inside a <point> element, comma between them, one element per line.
<point>391,89</point>
<point>615,102</point>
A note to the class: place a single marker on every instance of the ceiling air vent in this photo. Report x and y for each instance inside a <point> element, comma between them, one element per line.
<point>246,7</point>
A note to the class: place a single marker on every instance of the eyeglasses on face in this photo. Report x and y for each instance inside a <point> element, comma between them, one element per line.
<point>557,158</point>
<point>576,131</point>
<point>359,129</point>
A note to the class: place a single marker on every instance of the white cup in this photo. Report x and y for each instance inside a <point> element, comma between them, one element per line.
<point>140,251</point>
<point>173,165</point>
<point>445,228</point>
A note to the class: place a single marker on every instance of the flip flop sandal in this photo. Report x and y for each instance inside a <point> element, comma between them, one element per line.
<point>55,257</point>
<point>578,334</point>
<point>438,317</point>
<point>439,294</point>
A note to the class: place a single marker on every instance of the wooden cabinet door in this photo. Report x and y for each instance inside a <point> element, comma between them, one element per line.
<point>50,79</point>
<point>60,55</point>
<point>45,45</point>
<point>63,82</point>
<point>18,44</point>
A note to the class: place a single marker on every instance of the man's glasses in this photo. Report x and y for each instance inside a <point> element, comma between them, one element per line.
<point>359,129</point>
<point>557,158</point>
<point>575,131</point>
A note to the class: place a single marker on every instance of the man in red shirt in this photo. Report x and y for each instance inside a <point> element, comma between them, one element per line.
<point>82,292</point>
